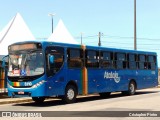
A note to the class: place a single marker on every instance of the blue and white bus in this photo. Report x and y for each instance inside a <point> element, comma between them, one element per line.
<point>44,69</point>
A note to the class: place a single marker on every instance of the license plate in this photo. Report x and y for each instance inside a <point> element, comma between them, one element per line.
<point>20,93</point>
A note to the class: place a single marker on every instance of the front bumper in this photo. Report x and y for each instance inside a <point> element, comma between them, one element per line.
<point>38,91</point>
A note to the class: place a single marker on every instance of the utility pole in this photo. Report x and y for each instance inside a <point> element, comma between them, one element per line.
<point>135,31</point>
<point>99,36</point>
<point>81,38</point>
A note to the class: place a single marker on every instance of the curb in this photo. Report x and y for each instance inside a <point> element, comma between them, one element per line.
<point>14,101</point>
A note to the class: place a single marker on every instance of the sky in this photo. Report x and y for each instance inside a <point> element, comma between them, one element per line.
<point>113,18</point>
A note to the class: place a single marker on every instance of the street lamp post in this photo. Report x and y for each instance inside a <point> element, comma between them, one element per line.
<point>52,14</point>
<point>135,32</point>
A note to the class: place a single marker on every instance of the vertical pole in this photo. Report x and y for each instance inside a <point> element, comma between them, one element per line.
<point>52,24</point>
<point>135,32</point>
<point>81,38</point>
<point>51,15</point>
<point>99,35</point>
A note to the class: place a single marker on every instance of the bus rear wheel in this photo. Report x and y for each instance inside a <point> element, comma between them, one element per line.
<point>70,94</point>
<point>131,89</point>
<point>38,99</point>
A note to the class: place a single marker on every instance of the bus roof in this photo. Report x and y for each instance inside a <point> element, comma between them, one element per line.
<point>102,48</point>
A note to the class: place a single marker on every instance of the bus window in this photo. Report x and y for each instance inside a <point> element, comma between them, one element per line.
<point>151,62</point>
<point>132,57</point>
<point>155,60</point>
<point>142,58</point>
<point>106,56</point>
<point>121,56</point>
<point>141,65</point>
<point>58,53</point>
<point>92,59</point>
<point>106,60</point>
<point>151,58</point>
<point>132,65</point>
<point>153,66</point>
<point>121,62</point>
<point>75,58</point>
<point>132,61</point>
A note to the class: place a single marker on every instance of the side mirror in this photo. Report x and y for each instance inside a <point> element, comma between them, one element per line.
<point>51,59</point>
<point>4,61</point>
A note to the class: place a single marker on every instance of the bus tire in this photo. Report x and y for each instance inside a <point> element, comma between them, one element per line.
<point>38,99</point>
<point>70,94</point>
<point>132,88</point>
<point>104,94</point>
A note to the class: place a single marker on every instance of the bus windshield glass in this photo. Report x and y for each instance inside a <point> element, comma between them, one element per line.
<point>26,63</point>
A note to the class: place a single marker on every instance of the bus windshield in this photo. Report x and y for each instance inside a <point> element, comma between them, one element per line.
<point>26,63</point>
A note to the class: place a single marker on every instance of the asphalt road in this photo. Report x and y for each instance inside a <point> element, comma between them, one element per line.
<point>144,100</point>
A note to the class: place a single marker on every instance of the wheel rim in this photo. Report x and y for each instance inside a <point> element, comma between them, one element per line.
<point>132,88</point>
<point>70,94</point>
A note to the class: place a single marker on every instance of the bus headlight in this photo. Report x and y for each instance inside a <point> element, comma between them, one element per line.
<point>38,84</point>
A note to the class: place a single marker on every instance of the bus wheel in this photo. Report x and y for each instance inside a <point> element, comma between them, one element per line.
<point>70,94</point>
<point>38,99</point>
<point>105,94</point>
<point>132,88</point>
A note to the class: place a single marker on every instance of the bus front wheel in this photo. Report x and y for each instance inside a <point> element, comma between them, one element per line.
<point>70,94</point>
<point>38,99</point>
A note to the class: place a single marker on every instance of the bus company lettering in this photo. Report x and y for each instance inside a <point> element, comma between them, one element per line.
<point>113,75</point>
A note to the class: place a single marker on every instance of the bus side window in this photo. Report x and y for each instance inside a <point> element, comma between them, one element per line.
<point>142,58</point>
<point>121,62</point>
<point>142,63</point>
<point>151,62</point>
<point>151,58</point>
<point>75,58</point>
<point>92,59</point>
<point>132,57</point>
<point>132,61</point>
<point>106,60</point>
